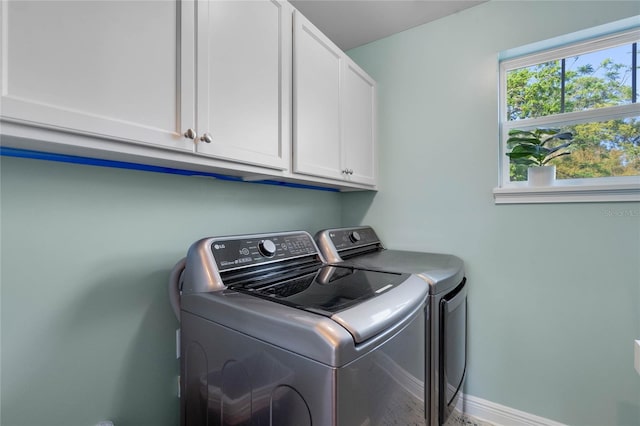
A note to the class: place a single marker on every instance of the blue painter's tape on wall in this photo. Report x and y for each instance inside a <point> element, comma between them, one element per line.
<point>37,155</point>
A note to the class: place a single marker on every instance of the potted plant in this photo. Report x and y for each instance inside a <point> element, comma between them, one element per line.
<point>534,148</point>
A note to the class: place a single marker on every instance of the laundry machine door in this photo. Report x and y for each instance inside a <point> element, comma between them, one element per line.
<point>453,349</point>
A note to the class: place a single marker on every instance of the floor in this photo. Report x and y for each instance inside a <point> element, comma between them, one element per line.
<point>459,419</point>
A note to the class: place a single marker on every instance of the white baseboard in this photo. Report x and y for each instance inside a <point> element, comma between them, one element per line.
<point>500,415</point>
<point>479,411</point>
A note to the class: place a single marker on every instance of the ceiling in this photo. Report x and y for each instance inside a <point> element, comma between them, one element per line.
<point>352,23</point>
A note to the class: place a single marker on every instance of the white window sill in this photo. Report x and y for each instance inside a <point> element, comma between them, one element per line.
<point>567,191</point>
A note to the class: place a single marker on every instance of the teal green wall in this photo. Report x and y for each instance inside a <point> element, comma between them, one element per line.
<point>554,288</point>
<point>87,331</point>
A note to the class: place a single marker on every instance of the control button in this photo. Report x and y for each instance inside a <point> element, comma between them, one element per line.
<point>267,248</point>
<point>354,237</point>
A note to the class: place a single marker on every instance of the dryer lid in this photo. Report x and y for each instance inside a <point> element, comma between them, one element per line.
<point>443,272</point>
<point>360,247</point>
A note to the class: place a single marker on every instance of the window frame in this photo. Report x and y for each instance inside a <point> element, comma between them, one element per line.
<point>622,188</point>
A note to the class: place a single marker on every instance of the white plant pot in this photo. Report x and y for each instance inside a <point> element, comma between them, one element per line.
<point>541,176</point>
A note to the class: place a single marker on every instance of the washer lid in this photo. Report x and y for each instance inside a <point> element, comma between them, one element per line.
<point>378,314</point>
<point>328,290</point>
<point>364,302</point>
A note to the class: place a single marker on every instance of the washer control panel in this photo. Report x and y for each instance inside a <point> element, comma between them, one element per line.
<point>237,252</point>
<point>347,238</point>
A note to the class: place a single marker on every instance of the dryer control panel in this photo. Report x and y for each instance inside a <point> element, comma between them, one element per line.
<point>339,244</point>
<point>347,238</point>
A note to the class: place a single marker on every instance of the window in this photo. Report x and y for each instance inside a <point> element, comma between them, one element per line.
<point>590,89</point>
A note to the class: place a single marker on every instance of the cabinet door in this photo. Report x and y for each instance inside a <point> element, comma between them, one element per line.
<point>316,80</point>
<point>101,68</point>
<point>359,124</point>
<point>244,81</point>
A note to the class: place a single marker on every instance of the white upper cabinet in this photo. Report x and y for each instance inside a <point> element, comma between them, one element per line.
<point>244,81</point>
<point>334,110</point>
<point>359,124</point>
<point>130,71</point>
<point>99,68</point>
<point>316,129</point>
<point>205,85</point>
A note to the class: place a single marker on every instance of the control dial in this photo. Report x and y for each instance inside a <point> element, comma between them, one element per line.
<point>354,236</point>
<point>267,248</point>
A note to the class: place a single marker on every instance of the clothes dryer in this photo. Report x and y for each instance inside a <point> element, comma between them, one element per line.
<point>446,308</point>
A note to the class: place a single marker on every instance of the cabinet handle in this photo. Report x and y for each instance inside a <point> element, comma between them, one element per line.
<point>206,138</point>
<point>190,134</point>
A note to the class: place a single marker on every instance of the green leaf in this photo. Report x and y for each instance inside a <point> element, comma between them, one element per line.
<point>559,147</point>
<point>561,136</point>
<point>542,152</point>
<point>524,161</point>
<point>525,149</point>
<point>554,157</point>
<point>565,136</point>
<point>514,132</point>
<point>516,155</point>
<point>515,140</point>
<point>540,132</point>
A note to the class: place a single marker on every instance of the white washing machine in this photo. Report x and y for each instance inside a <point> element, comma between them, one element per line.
<point>445,337</point>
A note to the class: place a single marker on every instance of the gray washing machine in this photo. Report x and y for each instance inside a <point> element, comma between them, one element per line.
<point>446,308</point>
<point>272,335</point>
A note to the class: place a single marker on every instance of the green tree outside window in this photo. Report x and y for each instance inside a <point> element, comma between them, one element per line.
<point>600,149</point>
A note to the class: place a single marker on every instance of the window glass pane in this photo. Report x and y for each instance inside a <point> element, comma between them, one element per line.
<point>534,91</point>
<point>599,149</point>
<point>602,149</point>
<point>598,79</point>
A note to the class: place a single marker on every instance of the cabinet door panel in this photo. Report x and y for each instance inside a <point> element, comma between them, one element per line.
<point>244,81</point>
<point>317,67</point>
<point>359,120</point>
<point>106,68</point>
